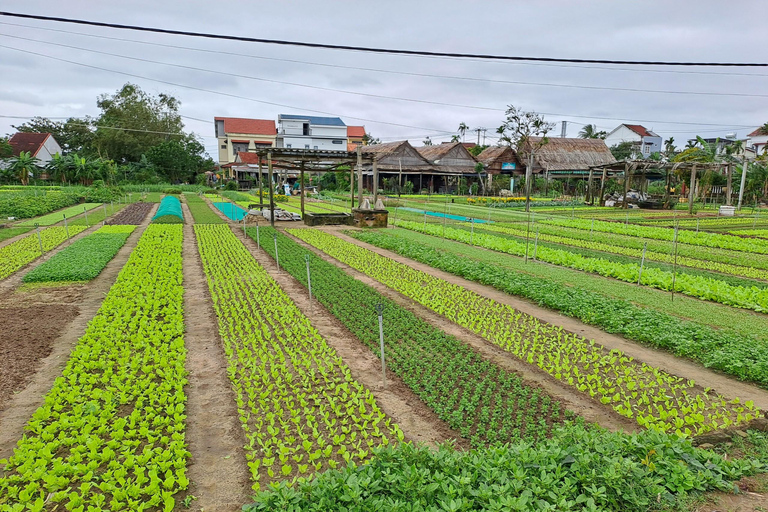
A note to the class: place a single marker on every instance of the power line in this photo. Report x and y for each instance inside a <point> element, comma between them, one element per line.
<point>418,53</point>
<point>379,70</point>
<point>380,96</point>
<point>557,114</point>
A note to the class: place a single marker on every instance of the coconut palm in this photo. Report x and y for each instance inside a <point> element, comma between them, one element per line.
<point>463,130</point>
<point>590,131</point>
<point>24,166</point>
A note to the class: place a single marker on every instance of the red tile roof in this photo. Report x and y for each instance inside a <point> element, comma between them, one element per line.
<point>248,158</point>
<point>640,130</point>
<point>758,133</point>
<point>355,131</point>
<point>249,126</point>
<point>31,142</point>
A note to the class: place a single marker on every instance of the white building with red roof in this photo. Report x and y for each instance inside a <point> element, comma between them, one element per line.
<point>645,141</point>
<point>758,140</point>
<point>237,134</point>
<point>40,145</point>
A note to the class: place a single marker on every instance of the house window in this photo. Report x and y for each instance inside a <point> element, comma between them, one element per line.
<point>238,147</point>
<point>305,129</point>
<point>647,148</point>
<point>315,147</point>
<point>223,146</point>
<point>337,141</point>
<point>306,146</point>
<point>288,146</point>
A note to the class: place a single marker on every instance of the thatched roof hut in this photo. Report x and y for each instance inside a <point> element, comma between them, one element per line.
<point>450,158</point>
<point>394,156</point>
<point>569,157</point>
<point>501,159</point>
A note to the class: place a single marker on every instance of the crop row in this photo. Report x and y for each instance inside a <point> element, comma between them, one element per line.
<point>759,233</point>
<point>21,252</point>
<point>687,237</point>
<point>201,212</point>
<point>737,354</point>
<point>708,222</point>
<point>6,233</point>
<point>300,408</point>
<point>53,218</point>
<point>482,401</point>
<point>110,434</point>
<point>696,286</point>
<point>545,233</point>
<point>633,389</point>
<point>23,204</point>
<point>84,259</point>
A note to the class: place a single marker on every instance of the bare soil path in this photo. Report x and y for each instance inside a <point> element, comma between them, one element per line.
<point>219,475</point>
<point>574,401</point>
<point>418,422</point>
<point>44,370</point>
<point>663,360</point>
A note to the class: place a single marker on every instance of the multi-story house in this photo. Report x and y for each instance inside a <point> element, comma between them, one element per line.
<point>355,137</point>
<point>236,135</point>
<point>644,140</point>
<point>311,132</point>
<point>758,140</point>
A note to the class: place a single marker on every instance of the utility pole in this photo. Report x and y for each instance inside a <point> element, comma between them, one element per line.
<point>744,166</point>
<point>478,130</point>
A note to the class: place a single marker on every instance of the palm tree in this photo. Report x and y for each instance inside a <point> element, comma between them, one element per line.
<point>84,169</point>
<point>590,131</point>
<point>24,165</point>
<point>462,130</point>
<point>59,168</point>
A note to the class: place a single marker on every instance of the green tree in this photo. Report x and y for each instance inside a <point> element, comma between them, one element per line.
<point>463,130</point>
<point>370,140</point>
<point>590,131</point>
<point>24,166</point>
<point>427,142</point>
<point>133,121</point>
<point>60,168</point>
<point>623,150</point>
<point>177,160</point>
<point>6,150</point>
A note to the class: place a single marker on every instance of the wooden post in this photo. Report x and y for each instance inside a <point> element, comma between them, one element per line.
<point>729,185</point>
<point>626,184</point>
<point>690,192</point>
<point>602,187</point>
<point>271,190</point>
<point>359,176</point>
<point>375,180</point>
<point>589,186</point>
<point>301,187</point>
<point>261,196</point>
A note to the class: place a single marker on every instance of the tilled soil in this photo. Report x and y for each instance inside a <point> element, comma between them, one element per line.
<point>28,336</point>
<point>133,214</point>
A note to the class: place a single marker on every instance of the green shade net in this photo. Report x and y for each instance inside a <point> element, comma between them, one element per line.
<point>169,212</point>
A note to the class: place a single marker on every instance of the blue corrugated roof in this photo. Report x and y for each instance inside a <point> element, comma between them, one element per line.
<point>326,121</point>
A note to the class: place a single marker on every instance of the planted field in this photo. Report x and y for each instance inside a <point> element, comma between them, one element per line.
<point>111,432</point>
<point>84,259</point>
<point>53,218</point>
<point>6,233</point>
<point>201,212</point>
<point>133,214</point>
<point>484,402</point>
<point>300,409</point>
<point>633,389</point>
<point>24,251</point>
<point>696,286</point>
<point>24,204</point>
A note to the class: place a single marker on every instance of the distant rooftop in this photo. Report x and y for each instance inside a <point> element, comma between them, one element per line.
<point>247,126</point>
<point>316,120</point>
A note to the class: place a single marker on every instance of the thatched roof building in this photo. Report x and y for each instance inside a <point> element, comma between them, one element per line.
<point>450,158</point>
<point>394,156</point>
<point>501,160</point>
<point>569,157</point>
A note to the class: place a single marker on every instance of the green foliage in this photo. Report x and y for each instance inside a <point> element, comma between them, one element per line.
<point>6,233</point>
<point>232,185</point>
<point>84,259</point>
<point>735,354</point>
<point>633,389</point>
<point>623,150</point>
<point>177,160</point>
<point>111,432</point>
<point>73,135</point>
<point>21,252</point>
<point>6,150</point>
<point>300,408</point>
<point>53,218</point>
<point>24,205</point>
<point>449,376</point>
<point>201,212</point>
<point>577,470</point>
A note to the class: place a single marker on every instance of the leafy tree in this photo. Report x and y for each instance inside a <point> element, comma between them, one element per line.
<point>6,150</point>
<point>24,166</point>
<point>476,150</point>
<point>454,138</point>
<point>427,142</point>
<point>517,130</point>
<point>133,121</point>
<point>370,140</point>
<point>177,160</point>
<point>623,150</point>
<point>84,169</point>
<point>590,131</point>
<point>60,168</point>
<point>74,135</point>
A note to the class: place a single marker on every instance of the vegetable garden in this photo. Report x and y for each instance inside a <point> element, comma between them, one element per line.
<point>311,431</point>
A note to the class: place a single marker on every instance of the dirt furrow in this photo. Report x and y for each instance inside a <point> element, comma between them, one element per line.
<point>219,475</point>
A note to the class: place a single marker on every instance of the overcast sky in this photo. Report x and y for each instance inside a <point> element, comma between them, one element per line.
<point>36,85</point>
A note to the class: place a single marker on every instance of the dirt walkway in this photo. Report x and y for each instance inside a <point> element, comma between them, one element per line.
<point>21,407</point>
<point>570,399</point>
<point>418,422</point>
<point>218,470</point>
<point>686,369</point>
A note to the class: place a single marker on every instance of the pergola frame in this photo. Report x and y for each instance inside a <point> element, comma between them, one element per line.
<point>629,167</point>
<point>317,161</point>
